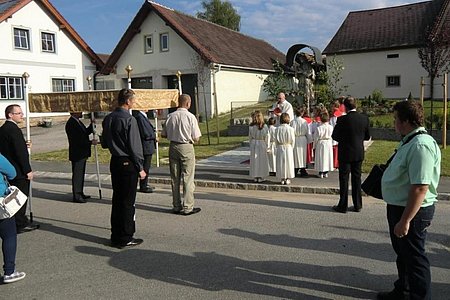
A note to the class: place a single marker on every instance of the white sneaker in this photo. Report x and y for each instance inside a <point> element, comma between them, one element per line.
<point>283,182</point>
<point>325,175</point>
<point>16,276</point>
<point>321,175</point>
<point>288,181</point>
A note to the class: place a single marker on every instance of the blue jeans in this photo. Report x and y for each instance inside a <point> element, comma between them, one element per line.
<point>412,263</point>
<point>8,234</point>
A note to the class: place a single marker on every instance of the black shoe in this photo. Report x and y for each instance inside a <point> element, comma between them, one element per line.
<point>272,174</point>
<point>28,228</point>
<point>85,197</point>
<point>176,211</point>
<point>79,200</point>
<point>134,242</point>
<point>392,295</point>
<point>339,210</point>
<point>146,190</point>
<point>357,209</point>
<point>193,211</point>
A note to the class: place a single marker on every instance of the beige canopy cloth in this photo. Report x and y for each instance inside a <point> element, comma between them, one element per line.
<point>92,101</point>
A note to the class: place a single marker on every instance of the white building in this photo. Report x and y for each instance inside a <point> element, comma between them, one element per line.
<point>36,39</point>
<point>160,41</point>
<point>378,49</point>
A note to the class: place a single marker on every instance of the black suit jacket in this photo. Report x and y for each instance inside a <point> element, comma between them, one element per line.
<point>350,132</point>
<point>13,146</point>
<point>78,136</point>
<point>147,132</point>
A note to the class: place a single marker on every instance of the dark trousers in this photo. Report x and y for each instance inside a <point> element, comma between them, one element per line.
<point>78,171</point>
<point>21,216</point>
<point>124,178</point>
<point>412,263</point>
<point>143,183</point>
<point>9,244</point>
<point>353,168</point>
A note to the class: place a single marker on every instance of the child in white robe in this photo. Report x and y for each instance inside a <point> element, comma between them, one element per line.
<point>258,137</point>
<point>301,129</point>
<point>272,147</point>
<point>323,145</point>
<point>285,139</point>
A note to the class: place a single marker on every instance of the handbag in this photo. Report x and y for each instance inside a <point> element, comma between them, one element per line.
<point>12,202</point>
<point>372,184</point>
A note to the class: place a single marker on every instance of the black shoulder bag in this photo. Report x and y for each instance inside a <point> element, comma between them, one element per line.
<point>372,184</point>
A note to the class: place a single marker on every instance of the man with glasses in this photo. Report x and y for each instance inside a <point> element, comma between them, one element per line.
<point>15,149</point>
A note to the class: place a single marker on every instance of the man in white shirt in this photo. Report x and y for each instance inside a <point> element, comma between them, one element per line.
<point>181,129</point>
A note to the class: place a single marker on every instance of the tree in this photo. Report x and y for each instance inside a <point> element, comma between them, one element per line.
<point>276,82</point>
<point>221,13</point>
<point>335,66</point>
<point>435,55</point>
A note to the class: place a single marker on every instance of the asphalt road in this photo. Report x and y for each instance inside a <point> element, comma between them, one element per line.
<point>242,245</point>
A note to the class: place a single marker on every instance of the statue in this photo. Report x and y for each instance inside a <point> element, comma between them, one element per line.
<point>306,76</point>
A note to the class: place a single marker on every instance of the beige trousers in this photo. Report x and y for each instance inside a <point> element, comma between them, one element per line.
<point>182,166</point>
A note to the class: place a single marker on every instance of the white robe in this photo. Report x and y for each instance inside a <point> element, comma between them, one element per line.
<point>323,144</point>
<point>285,139</point>
<point>259,164</point>
<point>272,149</point>
<point>301,141</point>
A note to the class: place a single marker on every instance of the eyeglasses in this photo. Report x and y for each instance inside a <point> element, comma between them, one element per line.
<point>17,113</point>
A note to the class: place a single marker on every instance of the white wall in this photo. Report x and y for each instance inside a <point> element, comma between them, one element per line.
<point>67,62</point>
<point>365,72</point>
<point>238,85</point>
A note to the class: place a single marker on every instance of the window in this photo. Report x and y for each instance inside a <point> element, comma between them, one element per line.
<point>63,85</point>
<point>102,84</point>
<point>148,44</point>
<point>11,88</point>
<point>21,38</point>
<point>164,42</point>
<point>392,81</point>
<point>48,42</point>
<point>392,55</point>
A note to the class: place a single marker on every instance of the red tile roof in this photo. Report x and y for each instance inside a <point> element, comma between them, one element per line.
<point>392,27</point>
<point>10,7</point>
<point>214,43</point>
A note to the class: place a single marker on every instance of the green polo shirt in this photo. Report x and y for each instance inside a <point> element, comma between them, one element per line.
<point>417,162</point>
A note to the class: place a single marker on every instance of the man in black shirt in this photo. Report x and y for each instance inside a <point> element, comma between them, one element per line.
<point>121,137</point>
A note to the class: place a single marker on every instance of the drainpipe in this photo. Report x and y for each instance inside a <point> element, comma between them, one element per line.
<point>215,69</point>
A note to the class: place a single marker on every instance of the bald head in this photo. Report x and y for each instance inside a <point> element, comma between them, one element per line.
<point>281,97</point>
<point>184,101</point>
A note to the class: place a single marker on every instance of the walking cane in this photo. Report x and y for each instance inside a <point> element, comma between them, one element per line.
<point>27,111</point>
<point>94,137</point>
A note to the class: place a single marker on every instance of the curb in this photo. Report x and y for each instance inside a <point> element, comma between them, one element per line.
<point>223,184</point>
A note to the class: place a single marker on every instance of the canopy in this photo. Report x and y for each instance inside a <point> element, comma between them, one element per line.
<point>92,101</point>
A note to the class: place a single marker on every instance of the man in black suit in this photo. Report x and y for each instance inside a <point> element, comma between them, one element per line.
<point>79,152</point>
<point>148,138</point>
<point>350,132</point>
<point>15,149</point>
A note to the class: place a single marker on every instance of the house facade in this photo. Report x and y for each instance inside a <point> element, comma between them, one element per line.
<point>222,65</point>
<point>37,40</point>
<point>379,49</point>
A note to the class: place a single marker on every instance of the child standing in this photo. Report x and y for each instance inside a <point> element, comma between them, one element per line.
<point>285,139</point>
<point>301,142</point>
<point>323,145</point>
<point>258,136</point>
<point>272,147</point>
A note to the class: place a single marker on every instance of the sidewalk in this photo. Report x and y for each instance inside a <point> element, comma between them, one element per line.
<point>227,170</point>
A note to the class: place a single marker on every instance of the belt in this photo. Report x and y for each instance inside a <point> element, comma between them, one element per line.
<point>284,144</point>
<point>179,143</point>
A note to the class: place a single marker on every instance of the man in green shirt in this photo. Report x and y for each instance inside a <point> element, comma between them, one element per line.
<point>409,187</point>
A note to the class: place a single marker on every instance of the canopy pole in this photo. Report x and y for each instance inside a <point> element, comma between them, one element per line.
<point>94,140</point>
<point>25,77</point>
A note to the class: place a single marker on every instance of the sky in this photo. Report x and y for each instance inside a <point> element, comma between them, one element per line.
<point>282,23</point>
